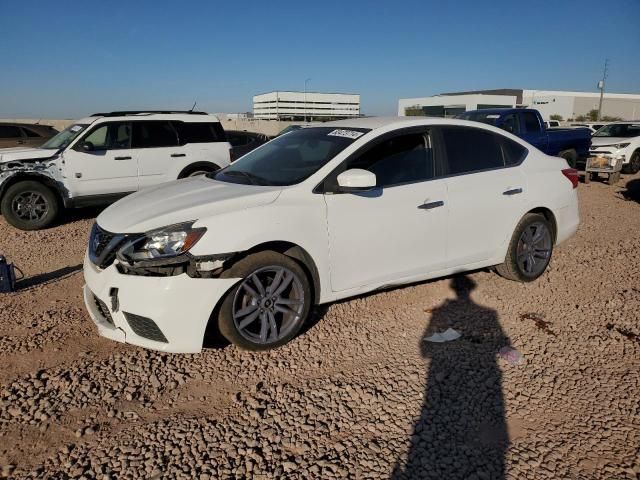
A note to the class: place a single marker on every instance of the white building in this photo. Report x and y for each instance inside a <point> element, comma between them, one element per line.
<point>310,105</point>
<point>548,102</point>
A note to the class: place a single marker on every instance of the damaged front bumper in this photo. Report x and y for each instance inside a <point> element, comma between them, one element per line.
<point>169,313</point>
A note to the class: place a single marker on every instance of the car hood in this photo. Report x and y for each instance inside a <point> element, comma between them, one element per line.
<point>599,141</point>
<point>182,201</point>
<point>23,153</point>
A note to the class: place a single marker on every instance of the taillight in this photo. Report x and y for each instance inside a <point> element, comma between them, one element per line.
<point>572,175</point>
<point>232,155</point>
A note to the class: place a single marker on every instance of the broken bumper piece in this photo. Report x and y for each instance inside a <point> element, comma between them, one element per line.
<point>169,314</point>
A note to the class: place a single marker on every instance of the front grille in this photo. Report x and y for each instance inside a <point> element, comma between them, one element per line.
<point>103,246</point>
<point>103,309</point>
<point>145,327</point>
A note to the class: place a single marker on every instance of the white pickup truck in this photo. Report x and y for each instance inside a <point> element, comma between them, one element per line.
<point>104,157</point>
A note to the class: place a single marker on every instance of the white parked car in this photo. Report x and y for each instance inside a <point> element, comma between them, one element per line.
<point>552,124</point>
<point>593,126</point>
<point>317,215</point>
<point>102,158</point>
<point>618,140</point>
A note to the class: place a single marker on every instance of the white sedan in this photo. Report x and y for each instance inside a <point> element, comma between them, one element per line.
<point>317,215</point>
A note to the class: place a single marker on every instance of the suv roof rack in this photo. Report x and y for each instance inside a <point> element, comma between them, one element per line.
<point>123,113</point>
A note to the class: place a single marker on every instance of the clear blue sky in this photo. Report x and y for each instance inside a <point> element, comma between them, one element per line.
<point>65,59</point>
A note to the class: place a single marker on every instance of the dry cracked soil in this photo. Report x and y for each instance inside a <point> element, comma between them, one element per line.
<point>359,394</point>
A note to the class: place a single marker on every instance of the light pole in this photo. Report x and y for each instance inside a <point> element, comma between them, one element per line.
<point>601,87</point>
<point>305,99</point>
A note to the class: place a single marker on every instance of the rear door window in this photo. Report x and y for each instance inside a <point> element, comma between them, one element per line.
<point>470,150</point>
<point>154,134</point>
<point>531,123</point>
<point>511,124</point>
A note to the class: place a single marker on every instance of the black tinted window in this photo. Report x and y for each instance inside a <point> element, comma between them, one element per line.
<point>153,134</point>
<point>401,159</point>
<point>238,139</point>
<point>513,152</point>
<point>8,131</point>
<point>201,132</point>
<point>471,149</point>
<point>531,123</point>
<point>511,124</point>
<point>30,133</point>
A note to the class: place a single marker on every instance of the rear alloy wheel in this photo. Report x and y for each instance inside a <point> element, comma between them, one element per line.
<point>269,306</point>
<point>29,205</point>
<point>529,251</point>
<point>633,166</point>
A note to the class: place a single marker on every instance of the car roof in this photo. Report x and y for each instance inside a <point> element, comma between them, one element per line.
<point>121,116</point>
<point>374,123</point>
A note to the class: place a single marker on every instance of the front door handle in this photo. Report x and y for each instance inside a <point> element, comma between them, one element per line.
<point>122,158</point>
<point>430,205</point>
<point>512,191</point>
<point>174,155</point>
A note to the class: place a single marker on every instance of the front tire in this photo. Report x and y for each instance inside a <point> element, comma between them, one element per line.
<point>267,308</point>
<point>633,166</point>
<point>529,251</point>
<point>29,205</point>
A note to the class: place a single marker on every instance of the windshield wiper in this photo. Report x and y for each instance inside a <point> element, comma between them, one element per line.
<point>253,178</point>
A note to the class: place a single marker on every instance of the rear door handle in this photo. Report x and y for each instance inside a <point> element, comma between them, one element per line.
<point>512,191</point>
<point>178,155</point>
<point>430,205</point>
<point>122,158</point>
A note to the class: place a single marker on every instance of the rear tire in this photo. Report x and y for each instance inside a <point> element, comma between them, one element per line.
<point>529,250</point>
<point>255,317</point>
<point>30,205</point>
<point>633,166</point>
<point>570,156</point>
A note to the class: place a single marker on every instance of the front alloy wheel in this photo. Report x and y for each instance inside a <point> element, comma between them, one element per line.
<point>269,305</point>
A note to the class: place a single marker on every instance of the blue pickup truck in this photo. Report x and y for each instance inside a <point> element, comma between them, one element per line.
<point>572,144</point>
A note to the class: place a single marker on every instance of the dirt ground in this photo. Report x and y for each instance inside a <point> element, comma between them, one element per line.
<point>359,394</point>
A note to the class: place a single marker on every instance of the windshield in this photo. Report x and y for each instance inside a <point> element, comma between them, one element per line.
<point>624,130</point>
<point>64,138</point>
<point>291,158</point>
<point>488,118</point>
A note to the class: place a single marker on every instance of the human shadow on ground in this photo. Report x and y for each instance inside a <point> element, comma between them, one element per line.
<point>461,431</point>
<point>632,191</point>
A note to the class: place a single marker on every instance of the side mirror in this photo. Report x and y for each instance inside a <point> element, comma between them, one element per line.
<point>87,146</point>
<point>356,180</point>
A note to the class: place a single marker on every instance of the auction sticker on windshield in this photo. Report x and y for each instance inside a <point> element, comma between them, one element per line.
<point>345,133</point>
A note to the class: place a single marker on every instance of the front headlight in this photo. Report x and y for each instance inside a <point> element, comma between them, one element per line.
<point>621,145</point>
<point>163,243</point>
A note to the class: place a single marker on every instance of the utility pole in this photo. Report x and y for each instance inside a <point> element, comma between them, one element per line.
<point>601,87</point>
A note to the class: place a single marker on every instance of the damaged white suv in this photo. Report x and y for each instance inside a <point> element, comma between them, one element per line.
<point>102,158</point>
<point>319,214</point>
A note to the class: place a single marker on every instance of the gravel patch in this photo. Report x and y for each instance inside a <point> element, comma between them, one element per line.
<point>360,394</point>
